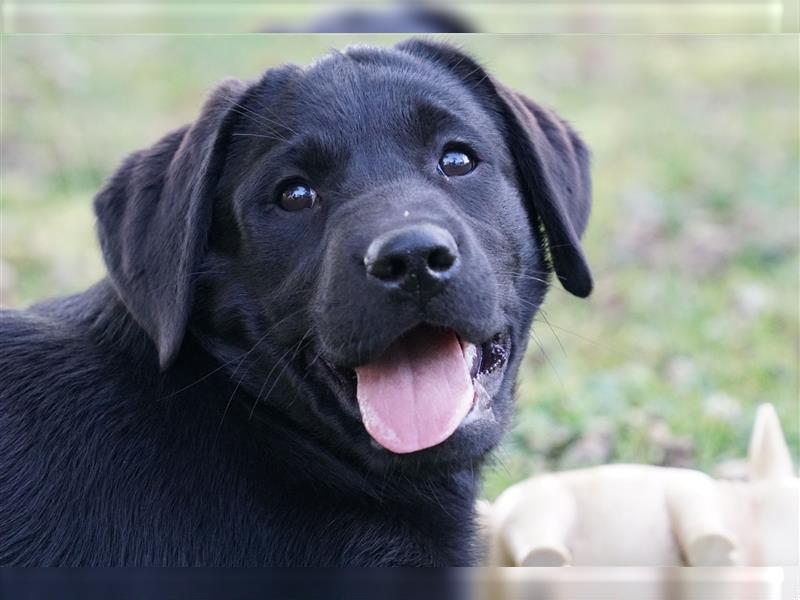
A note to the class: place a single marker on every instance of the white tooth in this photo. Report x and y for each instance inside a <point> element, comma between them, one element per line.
<point>470,354</point>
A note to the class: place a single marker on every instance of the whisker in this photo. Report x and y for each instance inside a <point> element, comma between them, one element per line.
<point>275,121</point>
<point>233,393</point>
<point>480,81</point>
<point>578,335</point>
<point>558,339</point>
<point>257,135</point>
<point>547,358</point>
<point>278,377</point>
<point>522,274</point>
<point>500,460</point>
<point>232,360</point>
<point>255,116</point>
<point>266,379</point>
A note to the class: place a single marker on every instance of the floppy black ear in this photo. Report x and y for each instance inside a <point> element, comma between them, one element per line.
<point>552,162</point>
<point>553,165</point>
<point>153,219</point>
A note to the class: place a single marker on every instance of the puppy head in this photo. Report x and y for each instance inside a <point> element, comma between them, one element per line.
<point>368,239</point>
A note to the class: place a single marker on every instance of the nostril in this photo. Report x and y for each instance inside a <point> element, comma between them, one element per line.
<point>441,259</point>
<point>389,268</point>
<point>396,268</point>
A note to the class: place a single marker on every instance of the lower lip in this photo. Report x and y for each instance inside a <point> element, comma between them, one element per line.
<point>481,403</point>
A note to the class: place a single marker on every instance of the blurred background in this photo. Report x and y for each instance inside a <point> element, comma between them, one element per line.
<point>693,237</point>
<point>496,16</point>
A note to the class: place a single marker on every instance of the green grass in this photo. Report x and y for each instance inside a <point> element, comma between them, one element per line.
<point>693,237</point>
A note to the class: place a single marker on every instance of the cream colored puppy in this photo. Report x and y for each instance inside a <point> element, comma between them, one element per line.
<point>653,516</point>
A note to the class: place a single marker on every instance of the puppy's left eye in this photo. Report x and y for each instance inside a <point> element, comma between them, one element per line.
<point>454,163</point>
<point>297,196</point>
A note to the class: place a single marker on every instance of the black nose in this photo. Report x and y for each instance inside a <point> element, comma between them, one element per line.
<point>417,258</point>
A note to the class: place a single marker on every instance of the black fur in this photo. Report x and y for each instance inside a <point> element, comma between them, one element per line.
<point>196,408</point>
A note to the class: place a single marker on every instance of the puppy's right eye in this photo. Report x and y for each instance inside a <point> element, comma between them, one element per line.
<point>297,196</point>
<point>456,162</point>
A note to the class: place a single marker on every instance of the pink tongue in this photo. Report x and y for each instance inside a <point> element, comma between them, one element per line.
<point>417,393</point>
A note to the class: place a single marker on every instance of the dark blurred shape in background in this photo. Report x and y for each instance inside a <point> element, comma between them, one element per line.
<point>405,17</point>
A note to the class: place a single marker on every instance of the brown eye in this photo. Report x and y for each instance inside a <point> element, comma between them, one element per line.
<point>456,162</point>
<point>297,196</point>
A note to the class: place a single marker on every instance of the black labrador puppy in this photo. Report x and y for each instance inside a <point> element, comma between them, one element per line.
<point>318,297</point>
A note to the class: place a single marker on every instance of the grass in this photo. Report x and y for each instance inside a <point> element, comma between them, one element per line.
<point>693,237</point>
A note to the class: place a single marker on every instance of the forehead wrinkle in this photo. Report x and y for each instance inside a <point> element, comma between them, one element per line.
<point>427,118</point>
<point>317,152</point>
<point>311,153</point>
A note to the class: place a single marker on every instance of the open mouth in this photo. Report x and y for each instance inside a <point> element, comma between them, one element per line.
<point>488,357</point>
<point>425,385</point>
